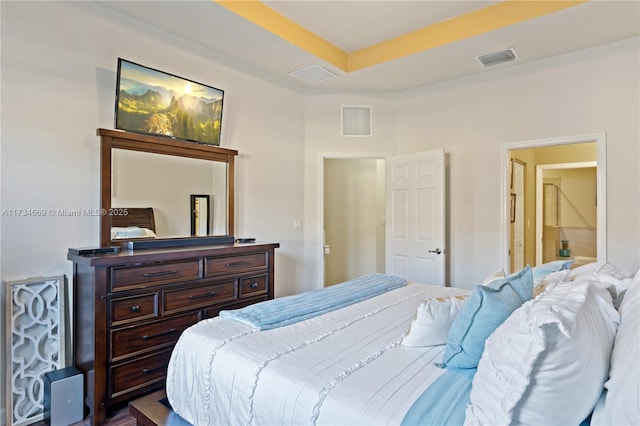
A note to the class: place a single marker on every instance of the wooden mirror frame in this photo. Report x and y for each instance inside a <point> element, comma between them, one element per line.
<point>110,139</point>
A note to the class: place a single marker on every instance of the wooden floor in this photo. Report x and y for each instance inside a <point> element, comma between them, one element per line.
<point>119,418</point>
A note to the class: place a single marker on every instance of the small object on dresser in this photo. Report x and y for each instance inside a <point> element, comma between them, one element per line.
<point>245,240</point>
<point>86,251</point>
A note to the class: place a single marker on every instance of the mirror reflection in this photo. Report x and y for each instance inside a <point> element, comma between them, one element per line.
<point>200,217</point>
<point>167,184</point>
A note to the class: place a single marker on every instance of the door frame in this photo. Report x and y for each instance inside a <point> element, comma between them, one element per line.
<point>320,201</point>
<point>519,208</point>
<point>601,190</point>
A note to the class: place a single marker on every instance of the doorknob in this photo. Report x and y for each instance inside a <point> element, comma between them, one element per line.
<point>436,251</point>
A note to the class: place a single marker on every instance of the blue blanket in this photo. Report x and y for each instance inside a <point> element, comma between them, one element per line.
<point>291,309</point>
<point>444,402</point>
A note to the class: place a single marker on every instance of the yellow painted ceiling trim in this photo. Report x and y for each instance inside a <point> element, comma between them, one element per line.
<point>272,21</point>
<point>500,15</point>
<point>481,21</point>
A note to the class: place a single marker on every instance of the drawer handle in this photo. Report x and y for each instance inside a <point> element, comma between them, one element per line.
<point>164,333</point>
<point>202,296</point>
<point>151,370</point>
<point>236,264</point>
<point>158,274</point>
<point>253,285</point>
<point>135,308</point>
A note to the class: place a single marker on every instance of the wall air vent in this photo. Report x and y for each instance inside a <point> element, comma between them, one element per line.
<point>313,74</point>
<point>500,57</point>
<point>356,120</point>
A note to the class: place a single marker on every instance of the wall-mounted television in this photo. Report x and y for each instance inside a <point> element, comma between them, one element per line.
<point>161,104</point>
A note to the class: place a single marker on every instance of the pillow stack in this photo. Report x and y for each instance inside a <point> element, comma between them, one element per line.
<point>543,360</point>
<point>548,362</point>
<point>487,307</point>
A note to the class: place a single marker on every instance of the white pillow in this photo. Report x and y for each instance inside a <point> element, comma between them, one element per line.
<point>433,319</point>
<point>599,270</point>
<point>547,363</point>
<point>620,403</point>
<point>606,276</point>
<point>541,284</point>
<point>540,271</point>
<point>495,275</point>
<point>131,232</point>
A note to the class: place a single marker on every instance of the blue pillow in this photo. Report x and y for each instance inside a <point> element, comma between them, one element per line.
<point>487,307</point>
<point>545,269</point>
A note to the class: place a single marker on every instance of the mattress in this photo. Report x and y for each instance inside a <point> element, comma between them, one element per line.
<point>343,367</point>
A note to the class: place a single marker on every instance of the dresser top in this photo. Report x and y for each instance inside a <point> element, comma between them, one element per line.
<point>169,253</point>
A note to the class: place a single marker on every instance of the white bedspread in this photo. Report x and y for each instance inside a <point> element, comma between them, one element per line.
<point>343,367</point>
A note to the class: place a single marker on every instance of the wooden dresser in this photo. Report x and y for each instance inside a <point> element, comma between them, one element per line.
<point>130,308</point>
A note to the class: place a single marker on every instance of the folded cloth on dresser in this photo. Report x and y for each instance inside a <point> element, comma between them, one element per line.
<point>292,309</point>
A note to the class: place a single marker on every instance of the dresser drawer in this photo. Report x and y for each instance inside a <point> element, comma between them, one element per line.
<point>148,337</point>
<point>198,297</point>
<point>139,373</point>
<point>124,278</point>
<point>252,286</point>
<point>135,308</point>
<point>238,263</point>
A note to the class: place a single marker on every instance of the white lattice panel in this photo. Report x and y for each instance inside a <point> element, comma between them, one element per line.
<point>35,344</point>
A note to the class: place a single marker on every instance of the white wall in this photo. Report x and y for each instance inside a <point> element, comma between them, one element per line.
<point>58,85</point>
<point>591,91</point>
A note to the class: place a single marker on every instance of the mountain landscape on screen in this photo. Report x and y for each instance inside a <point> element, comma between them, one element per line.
<point>153,102</point>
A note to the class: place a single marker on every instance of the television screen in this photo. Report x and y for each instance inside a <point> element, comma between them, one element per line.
<point>158,103</point>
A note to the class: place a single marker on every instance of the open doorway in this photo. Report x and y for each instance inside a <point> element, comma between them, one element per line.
<point>353,217</point>
<point>570,150</point>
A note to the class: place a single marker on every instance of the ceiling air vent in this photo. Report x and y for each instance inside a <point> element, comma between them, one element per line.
<point>500,57</point>
<point>313,74</point>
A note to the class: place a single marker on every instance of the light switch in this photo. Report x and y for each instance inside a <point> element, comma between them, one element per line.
<point>297,224</point>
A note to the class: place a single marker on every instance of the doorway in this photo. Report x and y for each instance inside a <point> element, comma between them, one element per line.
<point>575,149</point>
<point>353,217</point>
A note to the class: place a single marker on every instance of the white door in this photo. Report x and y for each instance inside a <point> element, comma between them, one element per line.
<point>518,224</point>
<point>415,234</point>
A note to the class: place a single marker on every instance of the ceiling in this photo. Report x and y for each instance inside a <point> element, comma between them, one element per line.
<point>386,45</point>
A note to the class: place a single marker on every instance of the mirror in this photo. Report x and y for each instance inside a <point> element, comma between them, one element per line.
<point>200,214</point>
<point>165,182</point>
<point>159,177</point>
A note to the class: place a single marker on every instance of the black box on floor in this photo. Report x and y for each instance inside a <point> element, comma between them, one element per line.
<point>63,396</point>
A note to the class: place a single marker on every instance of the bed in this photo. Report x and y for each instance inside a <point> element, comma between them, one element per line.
<point>133,222</point>
<point>512,351</point>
